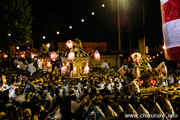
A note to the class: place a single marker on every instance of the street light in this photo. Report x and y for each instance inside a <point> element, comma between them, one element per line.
<point>82,20</point>
<point>103,5</point>
<point>57,32</point>
<point>9,34</point>
<point>70,27</point>
<point>92,13</point>
<point>164,47</point>
<point>17,47</point>
<point>119,27</point>
<point>44,37</point>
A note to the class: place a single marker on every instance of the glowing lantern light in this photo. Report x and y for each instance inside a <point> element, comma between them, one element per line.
<point>63,69</point>
<point>48,65</point>
<point>103,5</point>
<point>5,56</point>
<point>82,20</point>
<point>141,82</point>
<point>74,69</point>
<point>4,79</point>
<point>48,45</point>
<point>22,55</point>
<point>164,47</point>
<point>153,82</point>
<point>69,43</point>
<point>32,56</point>
<point>53,56</point>
<point>96,55</point>
<point>71,55</point>
<point>57,32</point>
<point>86,69</point>
<point>17,47</point>
<point>44,37</point>
<point>70,27</point>
<point>92,13</point>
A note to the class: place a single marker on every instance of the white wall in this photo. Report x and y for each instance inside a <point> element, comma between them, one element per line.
<point>112,59</point>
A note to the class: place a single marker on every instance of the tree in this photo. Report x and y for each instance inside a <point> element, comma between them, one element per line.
<point>16,21</point>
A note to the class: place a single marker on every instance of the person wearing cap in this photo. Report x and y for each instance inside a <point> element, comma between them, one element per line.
<point>29,88</point>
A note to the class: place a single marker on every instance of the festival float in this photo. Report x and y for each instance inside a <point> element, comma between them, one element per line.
<point>148,81</point>
<point>75,61</point>
<point>45,58</point>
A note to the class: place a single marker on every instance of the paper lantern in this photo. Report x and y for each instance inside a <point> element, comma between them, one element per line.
<point>5,56</point>
<point>71,55</point>
<point>136,57</point>
<point>96,55</point>
<point>170,10</point>
<point>69,43</point>
<point>22,55</point>
<point>48,45</point>
<point>53,56</point>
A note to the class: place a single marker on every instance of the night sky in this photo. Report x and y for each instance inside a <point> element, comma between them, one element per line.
<point>50,16</point>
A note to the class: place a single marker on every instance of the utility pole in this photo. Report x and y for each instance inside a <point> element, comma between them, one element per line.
<point>144,34</point>
<point>119,27</point>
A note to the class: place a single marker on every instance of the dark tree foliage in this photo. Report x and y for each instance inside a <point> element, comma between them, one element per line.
<point>15,19</point>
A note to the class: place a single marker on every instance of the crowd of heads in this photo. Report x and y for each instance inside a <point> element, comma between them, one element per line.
<point>51,96</point>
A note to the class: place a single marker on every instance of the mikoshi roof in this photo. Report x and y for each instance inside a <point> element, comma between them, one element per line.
<point>79,53</point>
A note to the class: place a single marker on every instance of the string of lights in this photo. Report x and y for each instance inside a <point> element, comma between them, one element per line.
<point>92,13</point>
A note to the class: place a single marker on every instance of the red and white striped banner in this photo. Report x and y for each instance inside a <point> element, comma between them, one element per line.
<point>170,10</point>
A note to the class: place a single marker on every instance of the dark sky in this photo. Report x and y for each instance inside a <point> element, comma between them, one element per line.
<point>50,16</point>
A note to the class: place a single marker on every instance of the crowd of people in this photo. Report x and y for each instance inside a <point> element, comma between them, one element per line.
<point>105,94</point>
<point>28,92</point>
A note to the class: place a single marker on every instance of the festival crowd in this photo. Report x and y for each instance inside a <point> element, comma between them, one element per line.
<point>108,93</point>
